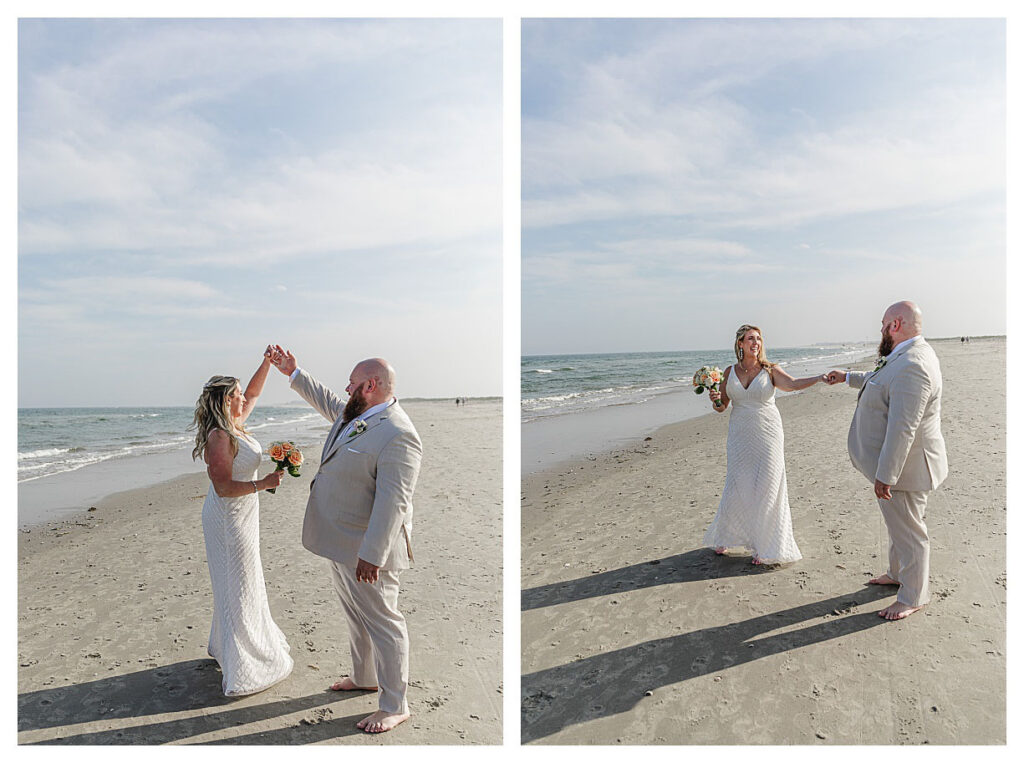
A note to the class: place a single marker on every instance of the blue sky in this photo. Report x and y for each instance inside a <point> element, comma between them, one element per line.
<point>190,190</point>
<point>682,177</point>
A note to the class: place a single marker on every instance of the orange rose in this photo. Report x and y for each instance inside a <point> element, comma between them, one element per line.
<point>295,458</point>
<point>276,452</point>
<point>287,446</point>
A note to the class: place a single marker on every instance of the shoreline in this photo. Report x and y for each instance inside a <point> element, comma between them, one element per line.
<point>557,440</point>
<point>633,633</point>
<point>68,495</point>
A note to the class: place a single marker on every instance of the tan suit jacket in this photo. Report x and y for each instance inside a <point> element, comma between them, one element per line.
<point>895,436</point>
<point>360,501</point>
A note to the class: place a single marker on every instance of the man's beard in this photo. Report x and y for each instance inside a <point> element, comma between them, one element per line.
<point>356,404</point>
<point>886,345</point>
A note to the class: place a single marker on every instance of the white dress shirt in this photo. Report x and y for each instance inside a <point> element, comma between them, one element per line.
<point>904,343</point>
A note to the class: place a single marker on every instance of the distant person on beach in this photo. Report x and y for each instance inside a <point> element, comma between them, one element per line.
<point>244,639</point>
<point>359,516</point>
<point>754,509</point>
<point>896,441</point>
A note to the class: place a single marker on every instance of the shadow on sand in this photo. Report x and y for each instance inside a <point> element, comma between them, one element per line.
<point>614,682</point>
<point>689,567</point>
<point>180,687</point>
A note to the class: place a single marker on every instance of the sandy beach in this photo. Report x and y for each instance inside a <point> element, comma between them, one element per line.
<point>632,633</point>
<point>115,604</point>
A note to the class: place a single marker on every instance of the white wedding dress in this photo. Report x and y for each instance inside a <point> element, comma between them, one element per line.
<point>244,639</point>
<point>754,510</point>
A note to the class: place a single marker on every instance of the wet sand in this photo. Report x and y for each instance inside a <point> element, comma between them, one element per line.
<point>115,604</point>
<point>632,633</point>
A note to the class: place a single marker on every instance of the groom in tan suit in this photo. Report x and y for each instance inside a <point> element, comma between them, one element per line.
<point>895,440</point>
<point>359,516</point>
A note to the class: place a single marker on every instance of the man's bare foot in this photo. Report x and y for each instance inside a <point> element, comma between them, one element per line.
<point>897,611</point>
<point>381,721</point>
<point>347,684</point>
<point>720,550</point>
<point>883,580</point>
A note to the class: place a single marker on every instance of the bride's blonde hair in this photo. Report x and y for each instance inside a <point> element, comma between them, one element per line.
<point>762,358</point>
<point>213,412</point>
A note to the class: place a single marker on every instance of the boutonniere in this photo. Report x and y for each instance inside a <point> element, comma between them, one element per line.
<point>358,427</point>
<point>881,364</point>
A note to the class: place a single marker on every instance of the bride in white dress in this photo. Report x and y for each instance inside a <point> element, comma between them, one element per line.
<point>244,639</point>
<point>754,510</point>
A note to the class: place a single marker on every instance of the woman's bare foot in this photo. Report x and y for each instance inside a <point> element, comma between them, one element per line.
<point>883,580</point>
<point>347,684</point>
<point>720,550</point>
<point>756,560</point>
<point>381,721</point>
<point>898,611</point>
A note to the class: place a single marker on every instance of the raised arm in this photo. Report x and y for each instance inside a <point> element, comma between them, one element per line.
<point>787,383</point>
<point>255,387</point>
<point>219,460</point>
<point>317,395</point>
<point>325,402</point>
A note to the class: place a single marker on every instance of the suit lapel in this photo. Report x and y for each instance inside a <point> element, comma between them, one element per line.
<point>332,438</point>
<point>889,361</point>
<point>374,421</point>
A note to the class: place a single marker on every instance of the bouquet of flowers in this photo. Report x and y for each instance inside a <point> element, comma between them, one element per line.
<point>707,377</point>
<point>285,457</point>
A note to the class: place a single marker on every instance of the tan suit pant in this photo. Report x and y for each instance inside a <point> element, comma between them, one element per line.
<point>908,544</point>
<point>378,638</point>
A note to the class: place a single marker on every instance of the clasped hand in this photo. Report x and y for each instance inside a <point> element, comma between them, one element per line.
<point>281,359</point>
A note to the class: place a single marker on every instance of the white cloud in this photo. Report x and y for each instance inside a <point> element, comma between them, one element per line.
<point>667,164</point>
<point>342,174</point>
<point>663,130</point>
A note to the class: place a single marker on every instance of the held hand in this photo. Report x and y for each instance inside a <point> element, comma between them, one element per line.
<point>272,480</point>
<point>268,354</point>
<point>716,398</point>
<point>283,359</point>
<point>883,491</point>
<point>835,377</point>
<point>366,572</point>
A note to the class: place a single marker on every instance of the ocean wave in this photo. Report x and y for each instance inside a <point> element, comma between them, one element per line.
<point>44,453</point>
<point>599,398</point>
<point>80,458</point>
<point>285,422</point>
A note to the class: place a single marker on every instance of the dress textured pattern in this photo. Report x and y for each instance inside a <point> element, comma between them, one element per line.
<point>754,510</point>
<point>244,639</point>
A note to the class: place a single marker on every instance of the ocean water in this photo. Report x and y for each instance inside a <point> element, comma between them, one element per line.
<point>53,441</point>
<point>553,385</point>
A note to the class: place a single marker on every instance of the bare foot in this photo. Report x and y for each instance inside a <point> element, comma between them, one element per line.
<point>897,611</point>
<point>720,550</point>
<point>347,684</point>
<point>381,721</point>
<point>756,560</point>
<point>883,580</point>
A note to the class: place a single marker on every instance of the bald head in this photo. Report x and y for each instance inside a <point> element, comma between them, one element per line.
<point>904,320</point>
<point>381,377</point>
